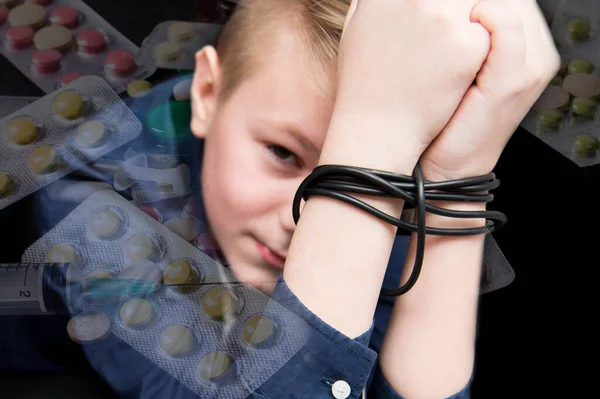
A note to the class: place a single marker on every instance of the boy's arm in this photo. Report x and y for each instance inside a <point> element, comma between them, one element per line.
<point>340,268</point>
<point>382,119</point>
<point>428,350</point>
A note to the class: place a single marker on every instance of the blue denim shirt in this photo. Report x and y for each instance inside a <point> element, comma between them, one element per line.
<point>328,355</point>
<point>41,345</point>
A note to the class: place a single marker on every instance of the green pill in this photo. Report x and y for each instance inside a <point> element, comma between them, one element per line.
<point>550,119</point>
<point>578,29</point>
<point>585,145</point>
<point>581,66</point>
<point>584,106</point>
<point>556,81</point>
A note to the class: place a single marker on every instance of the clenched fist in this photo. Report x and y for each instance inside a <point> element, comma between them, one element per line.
<point>403,68</point>
<point>522,62</point>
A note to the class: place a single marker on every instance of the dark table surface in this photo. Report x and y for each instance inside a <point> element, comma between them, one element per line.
<point>532,334</point>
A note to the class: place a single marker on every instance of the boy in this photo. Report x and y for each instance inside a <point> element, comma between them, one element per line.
<point>276,99</point>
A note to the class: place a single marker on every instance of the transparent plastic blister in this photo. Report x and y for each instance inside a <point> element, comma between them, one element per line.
<point>497,271</point>
<point>38,146</point>
<point>567,115</point>
<point>214,328</point>
<point>576,27</point>
<point>74,41</point>
<point>173,44</point>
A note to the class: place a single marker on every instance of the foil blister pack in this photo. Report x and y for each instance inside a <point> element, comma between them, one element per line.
<point>566,115</point>
<point>219,338</point>
<point>56,41</point>
<point>59,133</point>
<point>173,44</point>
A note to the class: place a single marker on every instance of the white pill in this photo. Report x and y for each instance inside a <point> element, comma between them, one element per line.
<point>181,91</point>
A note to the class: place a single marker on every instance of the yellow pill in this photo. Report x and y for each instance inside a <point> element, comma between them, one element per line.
<point>138,88</point>
<point>167,52</point>
<point>136,312</point>
<point>91,134</point>
<point>42,159</point>
<point>218,303</point>
<point>105,223</point>
<point>62,253</point>
<point>22,131</point>
<point>258,329</point>
<point>177,340</point>
<point>140,247</point>
<point>69,105</point>
<point>181,31</point>
<point>6,186</point>
<point>27,14</point>
<point>214,365</point>
<point>179,272</point>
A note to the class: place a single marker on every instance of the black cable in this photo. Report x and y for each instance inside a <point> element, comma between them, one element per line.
<point>413,192</point>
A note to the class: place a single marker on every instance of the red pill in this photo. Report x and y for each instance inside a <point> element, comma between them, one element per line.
<point>120,63</point>
<point>205,242</point>
<point>3,14</point>
<point>151,211</point>
<point>47,61</point>
<point>91,41</point>
<point>69,77</point>
<point>65,16</point>
<point>19,37</point>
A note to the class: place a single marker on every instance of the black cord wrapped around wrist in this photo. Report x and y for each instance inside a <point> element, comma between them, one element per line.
<point>335,181</point>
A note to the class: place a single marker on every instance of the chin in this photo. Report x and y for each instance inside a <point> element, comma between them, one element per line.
<point>263,278</point>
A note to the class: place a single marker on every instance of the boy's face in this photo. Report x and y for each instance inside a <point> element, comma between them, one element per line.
<point>259,146</point>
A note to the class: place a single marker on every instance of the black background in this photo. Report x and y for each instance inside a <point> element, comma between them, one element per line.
<point>533,335</point>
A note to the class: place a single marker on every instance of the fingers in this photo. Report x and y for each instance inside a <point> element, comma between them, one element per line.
<point>508,47</point>
<point>546,43</point>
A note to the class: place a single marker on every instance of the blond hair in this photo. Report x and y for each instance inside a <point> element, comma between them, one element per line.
<point>254,25</point>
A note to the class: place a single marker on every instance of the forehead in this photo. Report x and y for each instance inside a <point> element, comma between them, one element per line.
<point>285,92</point>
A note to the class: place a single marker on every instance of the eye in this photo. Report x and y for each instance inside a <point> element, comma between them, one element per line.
<point>282,154</point>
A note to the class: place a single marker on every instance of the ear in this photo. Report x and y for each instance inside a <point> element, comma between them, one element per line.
<point>204,90</point>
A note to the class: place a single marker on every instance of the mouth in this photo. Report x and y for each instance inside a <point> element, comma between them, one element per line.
<point>271,257</point>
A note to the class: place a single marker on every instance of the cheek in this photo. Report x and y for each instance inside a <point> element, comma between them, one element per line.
<point>235,187</point>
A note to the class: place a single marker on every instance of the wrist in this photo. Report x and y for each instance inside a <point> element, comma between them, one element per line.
<point>436,173</point>
<point>368,145</point>
<point>438,221</point>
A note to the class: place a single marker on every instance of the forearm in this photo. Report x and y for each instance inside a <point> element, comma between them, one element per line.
<point>339,253</point>
<point>428,351</point>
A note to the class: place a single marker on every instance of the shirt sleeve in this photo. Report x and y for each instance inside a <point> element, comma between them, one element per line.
<point>381,389</point>
<point>328,362</point>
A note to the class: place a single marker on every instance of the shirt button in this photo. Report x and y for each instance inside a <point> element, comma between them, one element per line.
<point>340,389</point>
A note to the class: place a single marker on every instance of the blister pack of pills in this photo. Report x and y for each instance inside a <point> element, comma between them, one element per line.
<point>218,338</point>
<point>53,42</point>
<point>10,104</point>
<point>59,133</point>
<point>173,44</point>
<point>566,115</point>
<point>497,272</point>
<point>168,151</point>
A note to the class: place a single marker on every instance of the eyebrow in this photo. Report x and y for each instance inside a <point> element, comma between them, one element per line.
<point>294,132</point>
